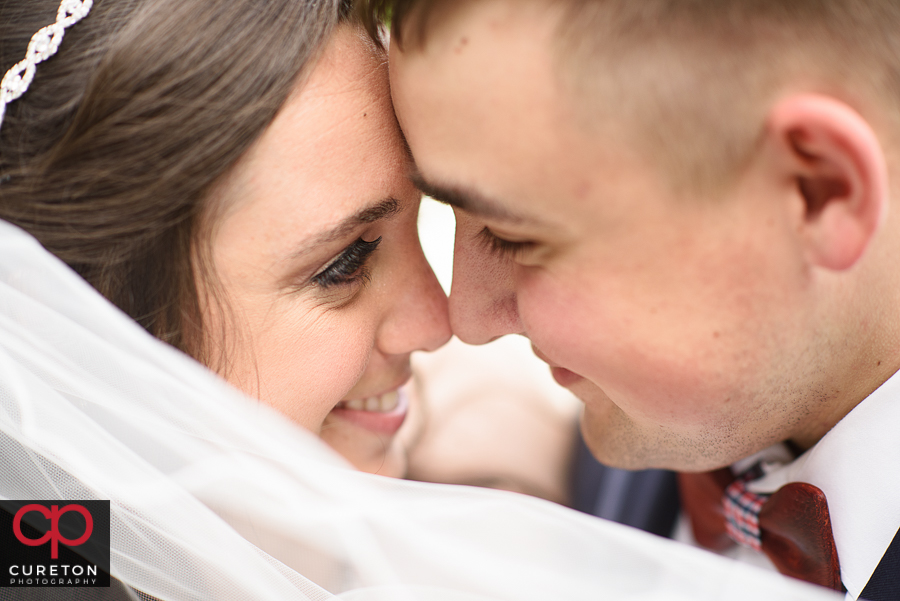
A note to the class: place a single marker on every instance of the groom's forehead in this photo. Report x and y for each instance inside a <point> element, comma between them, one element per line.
<point>411,19</point>
<point>494,131</point>
<point>491,129</point>
<point>415,22</point>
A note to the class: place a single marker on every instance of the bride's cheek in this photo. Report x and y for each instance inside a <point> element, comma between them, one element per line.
<point>330,358</point>
<point>298,357</point>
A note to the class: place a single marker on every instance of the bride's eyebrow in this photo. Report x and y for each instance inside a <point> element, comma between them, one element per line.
<point>383,209</point>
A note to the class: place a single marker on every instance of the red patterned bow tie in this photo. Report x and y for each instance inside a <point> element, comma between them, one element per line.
<point>792,527</point>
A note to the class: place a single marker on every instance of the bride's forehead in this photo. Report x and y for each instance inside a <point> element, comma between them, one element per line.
<point>344,98</point>
<point>319,163</point>
<point>349,62</point>
<point>330,131</point>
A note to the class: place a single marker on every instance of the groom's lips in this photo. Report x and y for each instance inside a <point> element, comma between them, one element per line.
<point>563,376</point>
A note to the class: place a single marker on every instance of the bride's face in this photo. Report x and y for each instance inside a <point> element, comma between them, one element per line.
<point>319,290</point>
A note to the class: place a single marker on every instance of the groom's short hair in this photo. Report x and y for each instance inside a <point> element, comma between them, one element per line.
<point>696,77</point>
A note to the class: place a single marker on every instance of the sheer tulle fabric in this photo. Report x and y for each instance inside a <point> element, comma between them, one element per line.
<point>215,496</point>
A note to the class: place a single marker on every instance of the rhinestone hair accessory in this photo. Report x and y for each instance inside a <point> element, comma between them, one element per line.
<point>42,46</point>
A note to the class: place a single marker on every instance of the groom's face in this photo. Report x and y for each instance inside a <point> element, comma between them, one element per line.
<point>669,317</point>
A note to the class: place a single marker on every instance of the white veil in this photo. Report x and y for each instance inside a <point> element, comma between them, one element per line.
<point>214,496</point>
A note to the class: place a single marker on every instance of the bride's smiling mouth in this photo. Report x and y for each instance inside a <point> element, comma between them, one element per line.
<point>384,413</point>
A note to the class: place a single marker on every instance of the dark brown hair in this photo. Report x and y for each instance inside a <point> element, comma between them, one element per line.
<point>395,13</point>
<point>109,156</point>
<point>696,77</point>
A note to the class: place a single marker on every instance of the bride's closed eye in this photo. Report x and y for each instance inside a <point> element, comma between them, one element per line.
<point>349,267</point>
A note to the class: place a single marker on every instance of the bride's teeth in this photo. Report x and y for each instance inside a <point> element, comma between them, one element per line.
<point>389,401</point>
<point>376,404</point>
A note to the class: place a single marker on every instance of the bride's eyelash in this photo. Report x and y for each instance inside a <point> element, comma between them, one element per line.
<point>349,267</point>
<point>501,247</point>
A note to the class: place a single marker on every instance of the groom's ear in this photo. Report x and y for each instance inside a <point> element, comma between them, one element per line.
<point>832,158</point>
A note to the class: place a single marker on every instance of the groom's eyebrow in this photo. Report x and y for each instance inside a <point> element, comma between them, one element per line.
<point>467,200</point>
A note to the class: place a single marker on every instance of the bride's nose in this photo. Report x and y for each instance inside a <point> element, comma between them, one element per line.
<point>417,317</point>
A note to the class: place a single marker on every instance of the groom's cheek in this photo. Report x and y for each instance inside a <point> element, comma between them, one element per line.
<point>563,319</point>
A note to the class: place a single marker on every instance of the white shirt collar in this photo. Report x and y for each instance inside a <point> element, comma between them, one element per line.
<point>856,466</point>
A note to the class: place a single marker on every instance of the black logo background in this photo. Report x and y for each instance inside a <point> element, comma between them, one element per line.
<point>71,525</point>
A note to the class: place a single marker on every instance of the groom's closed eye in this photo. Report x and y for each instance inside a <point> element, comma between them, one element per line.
<point>502,247</point>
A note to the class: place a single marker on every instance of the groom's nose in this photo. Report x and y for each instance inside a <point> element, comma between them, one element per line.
<point>483,302</point>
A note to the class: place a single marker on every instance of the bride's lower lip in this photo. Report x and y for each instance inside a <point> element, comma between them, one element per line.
<point>564,377</point>
<point>382,422</point>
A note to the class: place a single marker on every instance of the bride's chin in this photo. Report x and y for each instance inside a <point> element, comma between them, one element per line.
<point>367,451</point>
<point>367,438</point>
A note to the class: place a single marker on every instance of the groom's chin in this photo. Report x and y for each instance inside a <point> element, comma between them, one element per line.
<point>616,440</point>
<point>607,433</point>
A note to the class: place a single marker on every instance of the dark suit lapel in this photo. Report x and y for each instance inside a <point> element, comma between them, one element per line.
<point>884,585</point>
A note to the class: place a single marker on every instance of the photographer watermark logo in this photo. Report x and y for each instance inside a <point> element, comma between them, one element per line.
<point>54,543</point>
